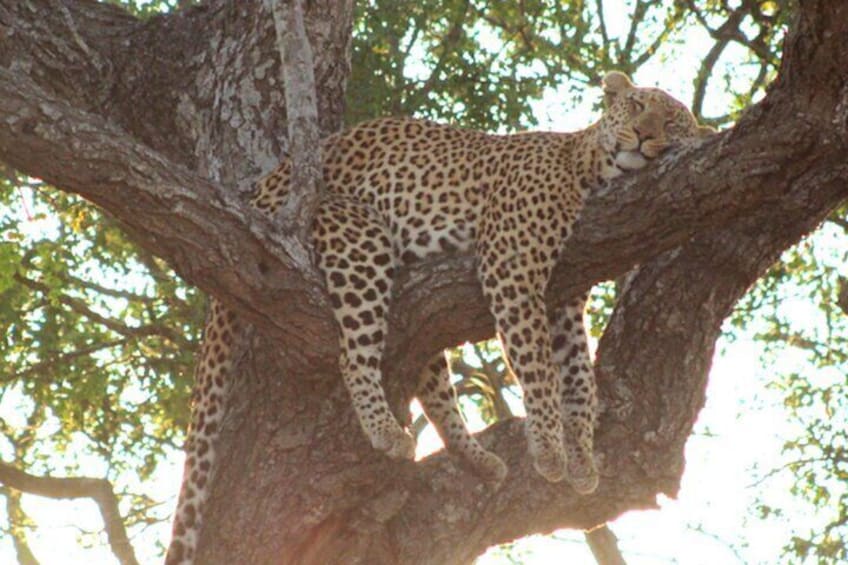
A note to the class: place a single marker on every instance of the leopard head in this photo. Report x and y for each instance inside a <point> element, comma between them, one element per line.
<point>640,123</point>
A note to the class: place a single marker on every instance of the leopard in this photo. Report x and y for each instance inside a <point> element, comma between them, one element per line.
<point>401,190</point>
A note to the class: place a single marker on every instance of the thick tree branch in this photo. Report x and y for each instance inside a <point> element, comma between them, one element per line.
<point>702,224</point>
<point>108,164</point>
<point>604,546</point>
<point>173,212</point>
<point>212,238</point>
<point>653,360</point>
<point>642,449</point>
<point>99,490</point>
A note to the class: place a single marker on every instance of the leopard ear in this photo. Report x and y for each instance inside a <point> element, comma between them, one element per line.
<point>615,83</point>
<point>706,131</point>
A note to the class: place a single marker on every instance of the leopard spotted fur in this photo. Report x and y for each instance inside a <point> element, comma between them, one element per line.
<point>400,190</point>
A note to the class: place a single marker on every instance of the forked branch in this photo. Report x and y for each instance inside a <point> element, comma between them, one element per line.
<point>99,490</point>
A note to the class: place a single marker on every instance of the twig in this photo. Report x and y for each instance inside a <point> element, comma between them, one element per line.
<point>636,19</point>
<point>447,47</point>
<point>842,296</point>
<point>99,490</point>
<point>841,222</point>
<point>19,522</point>
<point>62,358</point>
<point>80,307</point>
<point>723,35</point>
<point>729,545</point>
<point>791,465</point>
<point>603,25</point>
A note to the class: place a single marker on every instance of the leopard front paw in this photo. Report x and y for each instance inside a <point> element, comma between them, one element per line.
<point>395,442</point>
<point>582,473</point>
<point>490,468</point>
<point>550,463</point>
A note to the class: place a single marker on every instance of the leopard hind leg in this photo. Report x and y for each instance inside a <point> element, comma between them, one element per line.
<point>439,400</point>
<point>570,354</point>
<point>354,250</point>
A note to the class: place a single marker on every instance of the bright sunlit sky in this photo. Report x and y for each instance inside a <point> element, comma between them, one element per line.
<point>737,439</point>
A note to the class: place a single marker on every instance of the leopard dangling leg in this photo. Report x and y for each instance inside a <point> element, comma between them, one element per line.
<point>523,331</point>
<point>513,269</point>
<point>579,394</point>
<point>521,321</point>
<point>211,383</point>
<point>355,255</point>
<point>438,397</point>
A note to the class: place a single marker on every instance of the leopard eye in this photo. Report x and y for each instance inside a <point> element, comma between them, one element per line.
<point>636,107</point>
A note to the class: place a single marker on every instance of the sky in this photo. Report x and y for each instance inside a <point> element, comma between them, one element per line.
<point>736,443</point>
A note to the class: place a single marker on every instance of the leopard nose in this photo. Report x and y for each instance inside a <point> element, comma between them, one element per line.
<point>644,132</point>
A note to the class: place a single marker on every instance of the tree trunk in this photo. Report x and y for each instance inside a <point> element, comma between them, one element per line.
<point>164,122</point>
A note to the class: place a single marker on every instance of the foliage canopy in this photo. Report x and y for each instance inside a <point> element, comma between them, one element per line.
<point>99,336</point>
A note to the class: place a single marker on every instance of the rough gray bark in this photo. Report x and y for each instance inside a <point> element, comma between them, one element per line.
<point>161,122</point>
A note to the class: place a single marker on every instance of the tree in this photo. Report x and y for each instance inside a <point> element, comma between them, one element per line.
<point>159,122</point>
